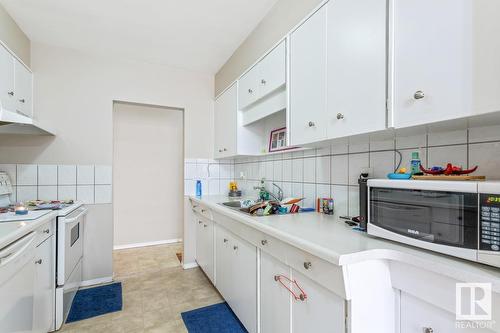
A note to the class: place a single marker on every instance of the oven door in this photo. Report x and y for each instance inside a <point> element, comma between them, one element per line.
<point>69,243</point>
<point>447,218</point>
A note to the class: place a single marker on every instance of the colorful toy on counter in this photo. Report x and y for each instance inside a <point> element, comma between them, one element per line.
<point>325,206</point>
<point>233,190</point>
<point>448,171</point>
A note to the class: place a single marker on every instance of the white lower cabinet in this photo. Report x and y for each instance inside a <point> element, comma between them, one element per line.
<point>205,246</point>
<point>236,272</point>
<point>44,289</point>
<point>418,316</point>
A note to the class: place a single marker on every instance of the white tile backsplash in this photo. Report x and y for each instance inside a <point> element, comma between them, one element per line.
<point>85,175</point>
<point>382,163</point>
<point>447,138</point>
<point>66,174</point>
<point>323,169</point>
<point>66,192</point>
<point>11,171</point>
<point>27,174</point>
<point>103,194</point>
<point>310,170</point>
<point>25,193</point>
<point>340,199</point>
<point>48,192</point>
<point>440,156</point>
<point>85,193</point>
<point>487,157</point>
<point>103,174</point>
<point>357,162</point>
<point>47,175</point>
<point>298,170</point>
<point>213,171</point>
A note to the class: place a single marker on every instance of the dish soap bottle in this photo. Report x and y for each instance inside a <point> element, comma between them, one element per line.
<point>415,163</point>
<point>198,188</point>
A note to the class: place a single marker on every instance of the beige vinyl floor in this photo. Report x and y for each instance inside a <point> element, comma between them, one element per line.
<point>155,291</point>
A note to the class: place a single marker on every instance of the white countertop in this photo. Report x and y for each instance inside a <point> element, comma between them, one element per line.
<point>11,231</point>
<point>332,240</point>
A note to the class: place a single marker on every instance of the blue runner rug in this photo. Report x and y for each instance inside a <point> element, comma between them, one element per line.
<point>214,318</point>
<point>96,301</point>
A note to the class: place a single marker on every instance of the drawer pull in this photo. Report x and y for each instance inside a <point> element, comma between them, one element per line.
<point>263,242</point>
<point>203,210</point>
<point>47,231</point>
<point>38,262</point>
<point>204,226</point>
<point>302,296</point>
<point>307,265</point>
<point>195,206</point>
<point>235,248</point>
<point>225,240</point>
<point>428,330</point>
<point>199,222</point>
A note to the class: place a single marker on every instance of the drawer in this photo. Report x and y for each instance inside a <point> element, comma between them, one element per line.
<point>326,274</point>
<point>201,210</point>
<point>44,232</point>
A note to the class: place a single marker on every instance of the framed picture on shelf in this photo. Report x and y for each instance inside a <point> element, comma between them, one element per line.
<point>277,140</point>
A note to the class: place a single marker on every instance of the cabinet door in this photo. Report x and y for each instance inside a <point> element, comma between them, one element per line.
<point>200,253</point>
<point>223,269</point>
<point>273,70</point>
<point>418,315</point>
<point>357,34</point>
<point>308,80</point>
<point>321,311</point>
<point>248,87</point>
<point>226,123</point>
<point>44,296</point>
<point>274,298</point>
<point>243,299</point>
<point>7,94</point>
<point>23,89</point>
<point>432,60</point>
<point>208,248</point>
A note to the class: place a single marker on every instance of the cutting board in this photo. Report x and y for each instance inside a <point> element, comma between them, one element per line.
<point>452,178</point>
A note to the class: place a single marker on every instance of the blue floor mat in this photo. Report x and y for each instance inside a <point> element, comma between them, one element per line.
<point>96,301</point>
<point>214,318</point>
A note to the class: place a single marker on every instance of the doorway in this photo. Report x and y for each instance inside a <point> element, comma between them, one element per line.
<point>148,173</point>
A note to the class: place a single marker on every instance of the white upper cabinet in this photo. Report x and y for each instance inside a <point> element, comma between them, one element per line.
<point>23,90</point>
<point>356,67</point>
<point>446,60</point>
<point>226,123</point>
<point>7,82</point>
<point>264,78</point>
<point>308,113</point>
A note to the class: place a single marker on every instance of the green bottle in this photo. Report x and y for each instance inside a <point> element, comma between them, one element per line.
<point>415,163</point>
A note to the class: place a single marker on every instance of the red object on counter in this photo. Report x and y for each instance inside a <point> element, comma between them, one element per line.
<point>449,170</point>
<point>302,296</point>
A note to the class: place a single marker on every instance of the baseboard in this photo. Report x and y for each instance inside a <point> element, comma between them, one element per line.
<point>161,242</point>
<point>190,265</point>
<point>93,282</point>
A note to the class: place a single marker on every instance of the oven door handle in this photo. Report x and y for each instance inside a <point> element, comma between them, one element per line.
<point>74,219</point>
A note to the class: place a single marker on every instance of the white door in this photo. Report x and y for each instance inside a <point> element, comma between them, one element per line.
<point>357,34</point>
<point>44,297</point>
<point>148,158</point>
<point>432,60</point>
<point>321,312</point>
<point>244,283</point>
<point>273,70</point>
<point>274,297</point>
<point>7,94</point>
<point>248,87</point>
<point>308,72</point>
<point>420,316</point>
<point>226,108</point>
<point>23,89</point>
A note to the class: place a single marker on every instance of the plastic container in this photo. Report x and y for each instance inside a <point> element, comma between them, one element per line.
<point>198,188</point>
<point>415,163</point>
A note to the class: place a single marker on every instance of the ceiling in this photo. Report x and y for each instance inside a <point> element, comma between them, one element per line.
<point>198,35</point>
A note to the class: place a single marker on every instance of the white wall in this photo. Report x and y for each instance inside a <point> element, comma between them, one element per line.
<point>148,165</point>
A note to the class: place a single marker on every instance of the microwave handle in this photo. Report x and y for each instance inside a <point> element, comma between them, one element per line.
<point>407,207</point>
<point>73,219</point>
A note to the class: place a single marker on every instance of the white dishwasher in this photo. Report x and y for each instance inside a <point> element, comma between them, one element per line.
<point>16,285</point>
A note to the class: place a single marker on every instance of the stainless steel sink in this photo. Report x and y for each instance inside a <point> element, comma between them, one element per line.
<point>232,204</point>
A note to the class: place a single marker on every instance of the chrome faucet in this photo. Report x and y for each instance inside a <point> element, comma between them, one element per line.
<point>264,192</point>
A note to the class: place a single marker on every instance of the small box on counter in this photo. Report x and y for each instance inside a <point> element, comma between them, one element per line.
<point>325,205</point>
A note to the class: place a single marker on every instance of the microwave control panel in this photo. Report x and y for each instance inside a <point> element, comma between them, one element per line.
<point>489,232</point>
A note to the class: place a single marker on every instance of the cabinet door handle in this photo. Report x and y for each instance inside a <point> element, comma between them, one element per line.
<point>38,262</point>
<point>311,124</point>
<point>199,222</point>
<point>203,210</point>
<point>225,149</point>
<point>428,330</point>
<point>263,242</point>
<point>47,231</point>
<point>204,226</point>
<point>419,95</point>
<point>301,296</point>
<point>307,265</point>
<point>263,81</point>
<point>194,206</point>
<point>250,91</point>
<point>10,93</point>
<point>22,100</point>
<point>340,116</point>
<point>225,240</point>
<point>235,248</point>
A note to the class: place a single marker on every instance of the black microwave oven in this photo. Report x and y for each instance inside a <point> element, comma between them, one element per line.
<point>457,218</point>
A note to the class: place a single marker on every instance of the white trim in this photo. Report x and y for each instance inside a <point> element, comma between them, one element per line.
<point>93,282</point>
<point>134,245</point>
<point>190,265</point>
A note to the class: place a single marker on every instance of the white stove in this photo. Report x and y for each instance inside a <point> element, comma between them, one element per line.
<point>13,217</point>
